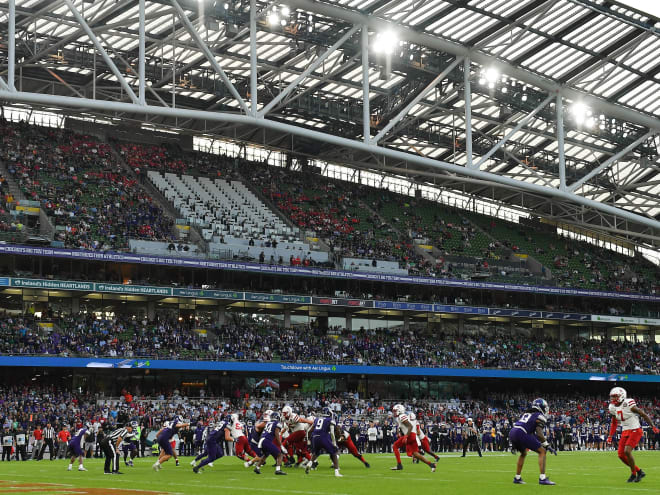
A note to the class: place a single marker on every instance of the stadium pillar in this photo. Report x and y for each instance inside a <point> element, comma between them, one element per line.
<point>220,316</point>
<point>75,305</point>
<point>321,321</point>
<point>151,310</point>
<point>652,334</point>
<point>287,318</point>
<point>406,322</point>
<point>562,331</point>
<point>461,326</point>
<point>349,320</point>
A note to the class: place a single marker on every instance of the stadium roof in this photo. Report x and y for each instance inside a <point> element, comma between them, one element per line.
<point>601,56</point>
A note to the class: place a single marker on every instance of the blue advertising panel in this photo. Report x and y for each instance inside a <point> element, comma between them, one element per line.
<point>330,369</point>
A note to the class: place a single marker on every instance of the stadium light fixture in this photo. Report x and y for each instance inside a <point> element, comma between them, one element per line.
<point>273,19</point>
<point>385,42</point>
<point>285,10</point>
<point>581,114</point>
<point>492,75</point>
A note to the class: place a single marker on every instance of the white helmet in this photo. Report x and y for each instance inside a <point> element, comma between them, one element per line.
<point>266,415</point>
<point>617,395</point>
<point>399,409</point>
<point>412,416</point>
<point>234,418</point>
<point>470,420</point>
<point>287,411</point>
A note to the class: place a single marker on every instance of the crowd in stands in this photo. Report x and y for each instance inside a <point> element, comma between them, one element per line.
<point>81,187</point>
<point>26,408</point>
<point>85,335</point>
<point>94,204</point>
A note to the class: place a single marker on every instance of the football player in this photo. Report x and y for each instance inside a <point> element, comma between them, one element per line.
<point>408,438</point>
<point>527,433</point>
<point>323,440</point>
<point>241,445</point>
<point>626,411</point>
<point>164,438</point>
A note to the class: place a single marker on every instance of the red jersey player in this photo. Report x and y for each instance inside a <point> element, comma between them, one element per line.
<point>625,410</point>
<point>296,441</point>
<point>408,438</point>
<point>241,445</point>
<point>344,440</point>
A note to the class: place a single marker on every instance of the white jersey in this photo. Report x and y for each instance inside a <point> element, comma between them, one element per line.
<point>293,423</point>
<point>401,419</point>
<point>624,414</point>
<point>237,430</point>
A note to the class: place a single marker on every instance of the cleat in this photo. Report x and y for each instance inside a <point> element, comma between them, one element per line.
<point>156,467</point>
<point>315,464</point>
<point>177,463</point>
<point>280,473</point>
<point>196,470</point>
<point>210,464</point>
<point>433,467</point>
<point>399,467</point>
<point>546,482</point>
<point>633,477</point>
<point>107,472</point>
<point>518,481</point>
<point>339,475</point>
<point>366,464</point>
<point>69,468</point>
<point>246,464</point>
<point>82,469</point>
<point>308,467</point>
<point>640,475</point>
<point>257,470</point>
<point>192,463</point>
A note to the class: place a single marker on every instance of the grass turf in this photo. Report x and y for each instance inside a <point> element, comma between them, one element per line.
<point>582,473</point>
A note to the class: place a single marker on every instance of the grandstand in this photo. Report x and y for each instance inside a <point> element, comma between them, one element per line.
<point>228,206</point>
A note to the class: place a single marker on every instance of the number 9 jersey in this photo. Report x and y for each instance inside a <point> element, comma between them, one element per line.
<point>624,414</point>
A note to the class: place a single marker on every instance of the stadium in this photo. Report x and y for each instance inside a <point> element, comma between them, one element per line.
<point>372,245</point>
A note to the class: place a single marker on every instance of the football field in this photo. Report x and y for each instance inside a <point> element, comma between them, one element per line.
<point>580,473</point>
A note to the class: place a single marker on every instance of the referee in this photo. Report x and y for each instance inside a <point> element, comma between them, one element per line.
<point>470,436</point>
<point>49,438</point>
<point>110,447</point>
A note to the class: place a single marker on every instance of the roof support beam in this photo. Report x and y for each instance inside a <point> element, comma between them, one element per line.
<point>366,114</point>
<point>559,106</point>
<point>610,161</point>
<point>444,45</point>
<point>508,136</point>
<point>120,77</point>
<point>310,68</point>
<point>253,58</point>
<point>396,119</point>
<point>209,56</point>
<point>467,95</point>
<point>11,74</point>
<point>141,53</point>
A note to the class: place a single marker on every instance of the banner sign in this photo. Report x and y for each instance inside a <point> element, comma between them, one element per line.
<point>277,298</point>
<point>312,272</point>
<point>324,369</point>
<point>29,283</point>
<point>628,320</point>
<point>403,306</point>
<point>466,310</point>
<point>209,294</point>
<point>340,301</point>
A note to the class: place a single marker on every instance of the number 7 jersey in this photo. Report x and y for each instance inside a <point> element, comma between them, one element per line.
<point>624,414</point>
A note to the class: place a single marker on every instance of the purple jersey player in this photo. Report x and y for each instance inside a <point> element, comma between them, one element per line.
<point>164,437</point>
<point>323,439</point>
<point>527,434</point>
<point>76,447</point>
<point>216,435</point>
<point>270,443</point>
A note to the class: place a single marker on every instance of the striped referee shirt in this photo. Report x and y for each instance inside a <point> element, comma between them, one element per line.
<point>49,433</point>
<point>118,433</point>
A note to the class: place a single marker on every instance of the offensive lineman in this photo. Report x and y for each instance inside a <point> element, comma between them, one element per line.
<point>626,411</point>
